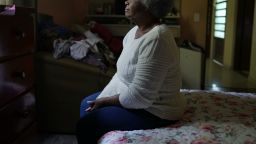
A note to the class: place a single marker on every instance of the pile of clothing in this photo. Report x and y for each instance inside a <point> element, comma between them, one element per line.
<point>91,50</point>
<point>93,43</point>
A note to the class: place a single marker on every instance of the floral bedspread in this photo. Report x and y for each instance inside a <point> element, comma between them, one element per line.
<point>211,118</point>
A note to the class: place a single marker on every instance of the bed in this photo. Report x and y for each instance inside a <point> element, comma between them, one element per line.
<point>210,118</point>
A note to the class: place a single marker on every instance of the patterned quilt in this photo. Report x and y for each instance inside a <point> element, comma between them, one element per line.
<point>210,118</point>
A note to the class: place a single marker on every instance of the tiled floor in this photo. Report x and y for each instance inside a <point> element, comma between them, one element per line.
<point>219,78</point>
<point>51,139</point>
<point>34,136</point>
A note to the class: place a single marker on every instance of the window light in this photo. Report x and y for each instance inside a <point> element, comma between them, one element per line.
<point>220,13</point>
<point>220,20</point>
<point>219,1</point>
<point>220,27</point>
<point>219,34</point>
<point>221,5</point>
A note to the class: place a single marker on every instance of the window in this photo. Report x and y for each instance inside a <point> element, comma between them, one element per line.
<point>220,18</point>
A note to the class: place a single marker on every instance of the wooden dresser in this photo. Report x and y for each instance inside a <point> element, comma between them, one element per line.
<point>17,100</point>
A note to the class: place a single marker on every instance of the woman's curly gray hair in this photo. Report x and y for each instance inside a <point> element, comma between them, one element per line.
<point>159,8</point>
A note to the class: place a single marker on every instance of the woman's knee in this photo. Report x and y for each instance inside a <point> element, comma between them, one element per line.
<point>84,105</point>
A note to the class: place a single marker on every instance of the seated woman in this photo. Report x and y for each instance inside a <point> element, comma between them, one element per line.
<point>144,92</point>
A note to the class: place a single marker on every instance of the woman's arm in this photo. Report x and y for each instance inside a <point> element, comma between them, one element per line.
<point>103,102</point>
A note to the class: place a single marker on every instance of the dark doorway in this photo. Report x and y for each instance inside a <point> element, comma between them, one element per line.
<point>209,28</point>
<point>244,30</point>
<point>218,53</point>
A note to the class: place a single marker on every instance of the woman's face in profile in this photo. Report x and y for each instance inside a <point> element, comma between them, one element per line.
<point>133,9</point>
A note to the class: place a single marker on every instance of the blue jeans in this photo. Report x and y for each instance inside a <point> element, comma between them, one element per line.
<point>92,125</point>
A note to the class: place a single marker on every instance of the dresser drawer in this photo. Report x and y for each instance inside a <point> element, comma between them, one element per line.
<point>16,35</point>
<point>16,77</point>
<point>16,116</point>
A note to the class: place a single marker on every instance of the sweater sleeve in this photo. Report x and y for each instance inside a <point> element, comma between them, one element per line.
<point>151,69</point>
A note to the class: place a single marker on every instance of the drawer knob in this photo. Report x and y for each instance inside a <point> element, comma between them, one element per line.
<point>25,114</point>
<point>21,75</point>
<point>20,35</point>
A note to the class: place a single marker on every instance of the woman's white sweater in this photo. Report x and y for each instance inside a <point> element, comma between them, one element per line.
<point>148,74</point>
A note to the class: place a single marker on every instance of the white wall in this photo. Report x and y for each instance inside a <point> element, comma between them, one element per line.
<point>253,50</point>
<point>190,65</point>
<point>230,35</point>
<point>5,2</point>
